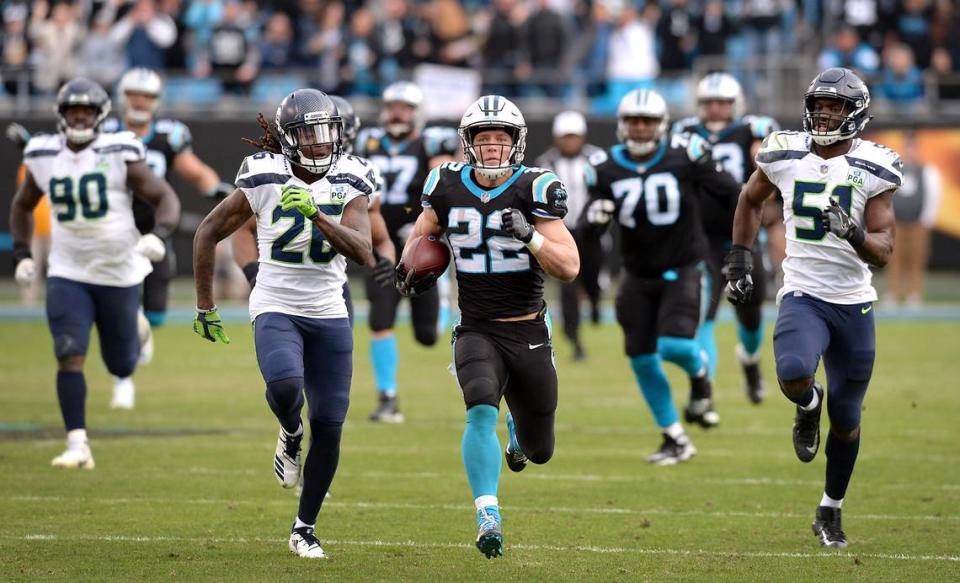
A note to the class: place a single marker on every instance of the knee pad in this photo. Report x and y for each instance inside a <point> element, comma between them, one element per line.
<point>480,391</point>
<point>540,455</point>
<point>425,334</point>
<point>844,414</point>
<point>156,319</point>
<point>684,352</point>
<point>65,346</point>
<point>791,367</point>
<point>286,394</point>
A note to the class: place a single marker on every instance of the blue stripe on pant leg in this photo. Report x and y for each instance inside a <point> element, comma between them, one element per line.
<point>655,388</point>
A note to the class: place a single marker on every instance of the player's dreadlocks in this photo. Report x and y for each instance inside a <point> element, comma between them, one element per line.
<point>268,142</point>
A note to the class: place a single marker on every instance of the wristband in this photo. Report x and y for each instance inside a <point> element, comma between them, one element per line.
<point>164,231</point>
<point>250,271</point>
<point>535,243</point>
<point>21,251</point>
<point>857,237</point>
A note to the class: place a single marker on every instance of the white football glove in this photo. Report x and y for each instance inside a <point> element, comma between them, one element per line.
<point>600,211</point>
<point>26,272</point>
<point>151,247</point>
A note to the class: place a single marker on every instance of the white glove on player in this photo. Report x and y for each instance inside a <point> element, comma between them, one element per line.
<point>26,272</point>
<point>600,211</point>
<point>151,247</point>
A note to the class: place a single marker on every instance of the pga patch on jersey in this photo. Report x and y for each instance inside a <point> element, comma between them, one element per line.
<point>857,177</point>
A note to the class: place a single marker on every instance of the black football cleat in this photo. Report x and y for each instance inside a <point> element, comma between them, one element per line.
<point>828,529</point>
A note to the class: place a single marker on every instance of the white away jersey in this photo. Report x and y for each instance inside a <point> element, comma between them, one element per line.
<point>818,262</point>
<point>300,273</point>
<point>93,232</point>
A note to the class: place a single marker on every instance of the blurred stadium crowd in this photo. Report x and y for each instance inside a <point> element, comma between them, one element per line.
<point>568,50</point>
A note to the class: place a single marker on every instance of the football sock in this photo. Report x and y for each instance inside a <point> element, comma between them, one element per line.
<point>300,524</point>
<point>383,354</point>
<point>655,388</point>
<point>484,501</point>
<point>481,450</point>
<point>750,339</point>
<point>72,394</point>
<point>830,502</point>
<point>675,431</point>
<point>708,344</point>
<point>809,400</point>
<point>156,319</point>
<point>285,398</point>
<point>76,438</point>
<point>841,457</point>
<point>319,467</point>
<point>684,352</point>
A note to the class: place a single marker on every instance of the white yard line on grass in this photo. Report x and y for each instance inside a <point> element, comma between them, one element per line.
<point>334,503</point>
<point>523,547</point>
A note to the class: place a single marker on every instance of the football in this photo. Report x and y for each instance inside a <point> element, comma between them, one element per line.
<point>427,255</point>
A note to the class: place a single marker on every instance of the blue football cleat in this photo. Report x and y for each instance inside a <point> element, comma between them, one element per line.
<point>516,461</point>
<point>489,533</point>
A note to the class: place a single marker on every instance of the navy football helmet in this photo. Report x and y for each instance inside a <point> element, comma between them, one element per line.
<point>842,85</point>
<point>84,93</point>
<point>351,122</point>
<point>308,121</point>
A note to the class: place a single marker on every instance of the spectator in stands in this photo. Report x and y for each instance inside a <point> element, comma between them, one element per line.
<point>546,37</point>
<point>176,54</point>
<point>402,40</point>
<point>712,28</point>
<point>321,41</point>
<point>913,26</point>
<point>362,59</point>
<point>16,49</point>
<point>845,49</point>
<point>147,34</point>
<point>762,26</point>
<point>870,18</point>
<point>450,37</point>
<point>502,48</point>
<point>902,80</point>
<point>55,40</point>
<point>675,37</point>
<point>231,53</point>
<point>201,17</point>
<point>101,55</point>
<point>276,45</point>
<point>915,207</point>
<point>631,52</point>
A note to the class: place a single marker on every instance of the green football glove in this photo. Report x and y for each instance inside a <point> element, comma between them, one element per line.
<point>294,197</point>
<point>208,325</point>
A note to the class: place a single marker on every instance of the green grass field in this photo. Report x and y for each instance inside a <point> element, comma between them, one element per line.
<point>184,487</point>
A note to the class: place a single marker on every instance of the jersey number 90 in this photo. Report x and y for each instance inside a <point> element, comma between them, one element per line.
<point>90,195</point>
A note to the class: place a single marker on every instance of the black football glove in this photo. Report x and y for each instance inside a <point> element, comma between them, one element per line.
<point>516,224</point>
<point>836,220</point>
<point>407,283</point>
<point>737,267</point>
<point>382,270</point>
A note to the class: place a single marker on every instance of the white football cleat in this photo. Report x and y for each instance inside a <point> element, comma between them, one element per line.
<point>76,457</point>
<point>123,394</point>
<point>286,459</point>
<point>303,543</point>
<point>145,333</point>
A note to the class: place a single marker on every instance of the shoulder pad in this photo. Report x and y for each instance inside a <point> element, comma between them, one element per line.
<point>878,160</point>
<point>124,142</point>
<point>598,157</point>
<point>262,168</point>
<point>110,125</point>
<point>693,144</point>
<point>165,126</point>
<point>685,125</point>
<point>783,140</point>
<point>440,140</point>
<point>43,145</point>
<point>760,126</point>
<point>354,171</point>
<point>368,139</point>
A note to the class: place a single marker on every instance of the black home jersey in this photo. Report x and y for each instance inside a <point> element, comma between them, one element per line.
<point>166,139</point>
<point>731,147</point>
<point>404,167</point>
<point>497,277</point>
<point>658,201</point>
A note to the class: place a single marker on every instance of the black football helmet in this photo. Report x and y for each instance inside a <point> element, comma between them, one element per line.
<point>305,118</point>
<point>86,93</point>
<point>842,85</point>
<point>351,122</point>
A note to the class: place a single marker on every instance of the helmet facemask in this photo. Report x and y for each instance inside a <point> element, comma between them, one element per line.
<point>825,127</point>
<point>641,147</point>
<point>313,144</point>
<point>83,135</point>
<point>138,116</point>
<point>474,152</point>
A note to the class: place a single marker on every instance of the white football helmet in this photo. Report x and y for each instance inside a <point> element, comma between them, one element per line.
<point>487,113</point>
<point>642,103</point>
<point>139,80</point>
<point>410,94</point>
<point>721,87</point>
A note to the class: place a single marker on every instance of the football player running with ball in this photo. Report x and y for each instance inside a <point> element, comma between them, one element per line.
<point>504,223</point>
<point>311,208</point>
<point>98,259</point>
<point>652,184</point>
<point>838,210</point>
